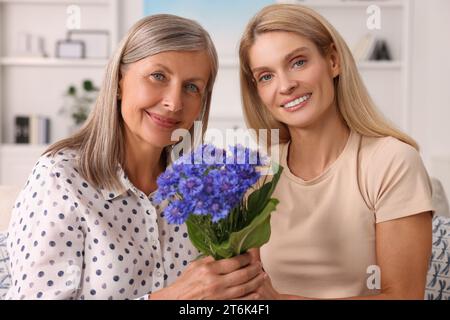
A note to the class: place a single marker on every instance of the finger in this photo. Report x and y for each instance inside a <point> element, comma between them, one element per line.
<point>246,288</point>
<point>201,262</point>
<point>226,266</point>
<point>206,259</point>
<point>242,275</point>
<point>250,296</point>
<point>254,253</point>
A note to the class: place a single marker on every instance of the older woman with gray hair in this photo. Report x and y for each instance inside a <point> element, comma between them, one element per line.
<point>85,225</point>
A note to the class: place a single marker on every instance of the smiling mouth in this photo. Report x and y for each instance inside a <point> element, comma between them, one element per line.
<point>162,121</point>
<point>300,101</point>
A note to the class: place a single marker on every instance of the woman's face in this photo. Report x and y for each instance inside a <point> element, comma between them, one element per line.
<point>162,93</point>
<point>294,81</point>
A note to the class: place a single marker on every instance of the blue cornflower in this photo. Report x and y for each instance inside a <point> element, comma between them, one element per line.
<point>191,186</point>
<point>177,212</point>
<point>218,211</point>
<point>207,181</point>
<point>203,187</point>
<point>167,185</point>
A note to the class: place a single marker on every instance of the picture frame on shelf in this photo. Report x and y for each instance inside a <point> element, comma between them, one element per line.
<point>70,49</point>
<point>97,42</point>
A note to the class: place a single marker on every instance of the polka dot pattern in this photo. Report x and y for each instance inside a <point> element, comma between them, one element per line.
<point>70,240</point>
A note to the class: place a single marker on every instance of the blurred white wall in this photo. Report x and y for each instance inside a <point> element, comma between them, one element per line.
<point>131,11</point>
<point>430,85</point>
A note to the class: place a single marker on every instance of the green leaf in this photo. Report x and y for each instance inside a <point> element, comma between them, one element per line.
<point>255,231</point>
<point>254,235</point>
<point>258,199</point>
<point>197,236</point>
<point>72,91</point>
<point>88,85</point>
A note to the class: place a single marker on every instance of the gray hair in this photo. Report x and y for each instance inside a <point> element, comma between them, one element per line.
<point>101,141</point>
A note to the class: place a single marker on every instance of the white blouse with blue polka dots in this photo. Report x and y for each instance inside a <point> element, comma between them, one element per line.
<point>70,240</point>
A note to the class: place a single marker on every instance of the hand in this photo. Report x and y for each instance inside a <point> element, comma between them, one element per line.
<point>267,291</point>
<point>254,254</point>
<point>209,279</point>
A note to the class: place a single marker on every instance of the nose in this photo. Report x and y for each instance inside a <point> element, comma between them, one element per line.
<point>287,85</point>
<point>172,98</point>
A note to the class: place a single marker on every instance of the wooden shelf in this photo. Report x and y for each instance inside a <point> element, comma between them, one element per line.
<point>51,62</point>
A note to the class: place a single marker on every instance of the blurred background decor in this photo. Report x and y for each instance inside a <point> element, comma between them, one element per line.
<point>30,45</point>
<point>96,42</point>
<point>78,102</point>
<point>70,49</point>
<point>406,75</point>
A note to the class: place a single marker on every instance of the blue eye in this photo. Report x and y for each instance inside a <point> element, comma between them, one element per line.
<point>264,78</point>
<point>299,63</point>
<point>158,76</point>
<point>192,88</point>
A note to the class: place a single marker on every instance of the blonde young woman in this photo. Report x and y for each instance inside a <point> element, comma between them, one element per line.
<point>85,227</point>
<point>354,218</point>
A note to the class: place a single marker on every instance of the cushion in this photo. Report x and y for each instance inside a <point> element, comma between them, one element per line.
<point>5,278</point>
<point>438,278</point>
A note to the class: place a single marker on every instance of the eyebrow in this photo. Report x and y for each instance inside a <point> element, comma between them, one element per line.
<point>196,79</point>
<point>163,67</point>
<point>287,57</point>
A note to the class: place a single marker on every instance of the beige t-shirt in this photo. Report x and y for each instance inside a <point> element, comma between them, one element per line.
<point>323,230</point>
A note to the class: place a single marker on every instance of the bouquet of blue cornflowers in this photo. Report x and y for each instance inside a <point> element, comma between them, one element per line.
<point>209,190</point>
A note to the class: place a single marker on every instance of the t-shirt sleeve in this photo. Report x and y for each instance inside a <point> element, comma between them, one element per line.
<point>399,183</point>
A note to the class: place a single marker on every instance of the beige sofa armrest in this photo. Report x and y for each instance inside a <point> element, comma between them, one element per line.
<point>439,199</point>
<point>8,195</point>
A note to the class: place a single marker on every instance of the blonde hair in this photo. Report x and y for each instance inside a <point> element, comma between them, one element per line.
<point>101,141</point>
<point>352,98</point>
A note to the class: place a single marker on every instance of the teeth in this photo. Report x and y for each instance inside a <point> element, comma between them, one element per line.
<point>297,101</point>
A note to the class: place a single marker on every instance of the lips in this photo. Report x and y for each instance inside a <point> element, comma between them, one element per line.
<point>162,121</point>
<point>292,100</point>
<point>293,105</point>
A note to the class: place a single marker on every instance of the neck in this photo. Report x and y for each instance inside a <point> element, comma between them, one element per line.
<point>313,149</point>
<point>142,164</point>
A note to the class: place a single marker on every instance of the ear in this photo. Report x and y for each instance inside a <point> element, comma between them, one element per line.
<point>335,63</point>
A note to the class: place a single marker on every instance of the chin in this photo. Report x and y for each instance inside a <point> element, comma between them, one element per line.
<point>297,122</point>
<point>157,139</point>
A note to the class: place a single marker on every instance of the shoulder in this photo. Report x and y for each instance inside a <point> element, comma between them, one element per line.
<point>387,152</point>
<point>388,165</point>
<point>394,179</point>
<point>61,165</point>
<point>48,191</point>
<point>60,160</point>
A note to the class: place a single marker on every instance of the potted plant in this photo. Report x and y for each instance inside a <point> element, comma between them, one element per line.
<point>78,102</point>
